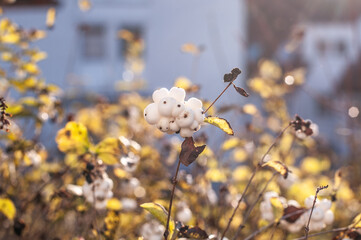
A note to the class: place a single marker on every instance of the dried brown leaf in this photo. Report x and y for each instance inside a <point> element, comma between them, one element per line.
<point>190,152</point>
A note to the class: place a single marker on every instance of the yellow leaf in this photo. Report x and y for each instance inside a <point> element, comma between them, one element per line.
<point>250,109</point>
<point>84,5</point>
<point>230,143</point>
<point>240,155</point>
<point>31,68</point>
<point>215,175</point>
<point>277,208</point>
<point>110,150</point>
<point>186,84</point>
<point>50,17</point>
<point>314,165</point>
<point>270,69</point>
<point>190,48</point>
<point>221,123</point>
<point>73,138</point>
<point>356,223</point>
<point>38,56</point>
<point>120,173</point>
<point>7,207</point>
<point>6,56</point>
<point>286,143</point>
<point>337,180</point>
<point>159,212</point>
<point>278,166</point>
<point>241,173</point>
<point>11,38</point>
<point>114,204</point>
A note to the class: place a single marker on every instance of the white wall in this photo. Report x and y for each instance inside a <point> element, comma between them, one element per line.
<point>216,24</point>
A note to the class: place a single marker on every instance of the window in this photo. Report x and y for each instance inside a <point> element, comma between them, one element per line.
<point>92,40</point>
<point>131,52</point>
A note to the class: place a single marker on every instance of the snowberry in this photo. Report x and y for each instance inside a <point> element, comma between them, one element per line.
<point>328,217</point>
<point>186,132</point>
<point>166,106</point>
<point>151,113</point>
<point>163,124</point>
<point>178,109</point>
<point>186,118</point>
<point>194,103</point>
<point>171,114</point>
<point>160,94</point>
<point>173,126</point>
<point>177,93</point>
<point>317,214</point>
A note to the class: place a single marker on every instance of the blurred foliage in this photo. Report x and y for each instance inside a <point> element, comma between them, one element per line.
<point>42,190</point>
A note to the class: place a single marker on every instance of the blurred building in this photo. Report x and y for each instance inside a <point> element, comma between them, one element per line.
<point>136,44</point>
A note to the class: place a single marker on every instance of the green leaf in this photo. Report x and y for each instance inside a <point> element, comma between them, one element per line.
<point>221,123</point>
<point>73,138</point>
<point>159,212</point>
<point>7,207</point>
<point>110,150</point>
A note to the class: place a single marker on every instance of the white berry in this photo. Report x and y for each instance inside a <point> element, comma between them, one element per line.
<point>186,132</point>
<point>160,94</point>
<point>178,109</point>
<point>177,93</point>
<point>166,106</point>
<point>163,124</point>
<point>151,113</point>
<point>186,118</point>
<point>194,103</point>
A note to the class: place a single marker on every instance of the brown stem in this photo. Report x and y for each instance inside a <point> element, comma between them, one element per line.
<point>251,179</point>
<point>307,228</point>
<point>274,223</point>
<point>174,181</point>
<point>252,207</point>
<point>239,201</point>
<point>321,233</point>
<point>215,100</point>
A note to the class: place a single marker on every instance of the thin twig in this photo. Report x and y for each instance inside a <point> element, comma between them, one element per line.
<point>307,228</point>
<point>215,100</point>
<point>324,232</point>
<point>252,207</point>
<point>251,179</point>
<point>348,229</point>
<point>274,223</point>
<point>174,181</point>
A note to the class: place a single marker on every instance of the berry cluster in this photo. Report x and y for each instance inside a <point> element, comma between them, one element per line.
<point>98,191</point>
<point>321,215</point>
<point>171,114</point>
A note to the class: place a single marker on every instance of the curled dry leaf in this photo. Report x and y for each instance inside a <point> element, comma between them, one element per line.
<point>193,233</point>
<point>292,213</point>
<point>241,91</point>
<point>278,166</point>
<point>230,77</point>
<point>221,123</point>
<point>190,152</point>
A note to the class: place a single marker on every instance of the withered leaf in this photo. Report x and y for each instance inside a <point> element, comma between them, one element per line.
<point>221,123</point>
<point>193,233</point>
<point>241,91</point>
<point>189,152</point>
<point>230,77</point>
<point>278,166</point>
<point>292,213</point>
